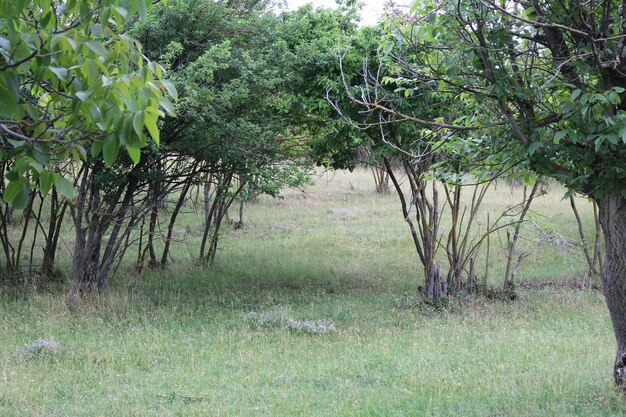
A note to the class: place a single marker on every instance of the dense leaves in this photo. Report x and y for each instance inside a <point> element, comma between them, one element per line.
<point>546,81</point>
<point>72,82</point>
<point>251,82</point>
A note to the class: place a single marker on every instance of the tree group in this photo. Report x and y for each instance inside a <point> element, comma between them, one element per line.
<point>114,114</point>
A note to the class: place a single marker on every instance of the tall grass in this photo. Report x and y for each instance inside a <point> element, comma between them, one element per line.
<point>180,341</point>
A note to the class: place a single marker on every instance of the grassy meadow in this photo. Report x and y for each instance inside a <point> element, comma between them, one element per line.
<point>180,342</point>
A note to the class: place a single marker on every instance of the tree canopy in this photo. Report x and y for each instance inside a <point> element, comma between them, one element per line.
<point>72,81</point>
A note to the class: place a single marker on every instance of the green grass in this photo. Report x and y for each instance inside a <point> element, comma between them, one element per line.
<point>178,342</point>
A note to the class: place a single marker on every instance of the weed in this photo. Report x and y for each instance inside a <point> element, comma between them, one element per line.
<point>40,347</point>
<point>323,326</point>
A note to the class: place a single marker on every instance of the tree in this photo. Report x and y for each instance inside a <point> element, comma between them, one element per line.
<point>239,126</point>
<point>73,86</point>
<point>546,83</point>
<point>372,102</point>
<point>71,77</point>
<point>235,116</point>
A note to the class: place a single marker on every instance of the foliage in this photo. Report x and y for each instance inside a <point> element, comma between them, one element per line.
<point>70,76</point>
<point>315,38</point>
<point>243,115</point>
<point>239,130</point>
<point>233,73</point>
<point>544,80</point>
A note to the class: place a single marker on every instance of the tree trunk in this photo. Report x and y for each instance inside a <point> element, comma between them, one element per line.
<point>170,226</point>
<point>511,270</point>
<point>612,215</point>
<point>154,218</point>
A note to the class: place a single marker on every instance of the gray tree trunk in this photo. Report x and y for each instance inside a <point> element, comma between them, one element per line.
<point>612,214</point>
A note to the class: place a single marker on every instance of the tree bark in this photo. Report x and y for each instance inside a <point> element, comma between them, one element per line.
<point>583,238</point>
<point>511,270</point>
<point>170,226</point>
<point>156,199</point>
<point>612,215</point>
<point>57,213</point>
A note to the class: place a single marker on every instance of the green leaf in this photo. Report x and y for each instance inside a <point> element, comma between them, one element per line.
<point>44,5</point>
<point>16,143</point>
<point>83,95</point>
<point>122,11</point>
<point>42,154</point>
<point>13,175</point>
<point>71,42</point>
<point>96,148</point>
<point>45,182</point>
<point>171,89</point>
<point>81,151</point>
<point>63,185</point>
<point>105,12</point>
<point>12,190</point>
<point>8,104</point>
<point>156,69</point>
<point>559,135</point>
<point>46,19</point>
<point>134,153</point>
<point>61,73</point>
<point>138,121</point>
<point>5,44</point>
<point>622,134</point>
<point>110,149</point>
<point>151,125</point>
<point>21,200</point>
<point>167,106</point>
<point>37,166</point>
<point>598,144</point>
<point>614,98</point>
<point>143,9</point>
<point>13,84</point>
<point>97,48</point>
<point>584,110</point>
<point>534,147</point>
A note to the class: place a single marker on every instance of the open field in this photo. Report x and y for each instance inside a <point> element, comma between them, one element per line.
<point>180,341</point>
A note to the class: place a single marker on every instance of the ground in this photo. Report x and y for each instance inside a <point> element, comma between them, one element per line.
<point>181,341</point>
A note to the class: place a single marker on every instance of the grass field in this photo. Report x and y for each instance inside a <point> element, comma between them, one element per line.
<point>180,341</point>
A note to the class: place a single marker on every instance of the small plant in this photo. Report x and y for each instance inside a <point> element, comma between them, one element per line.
<point>264,319</point>
<point>39,347</point>
<point>324,326</point>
